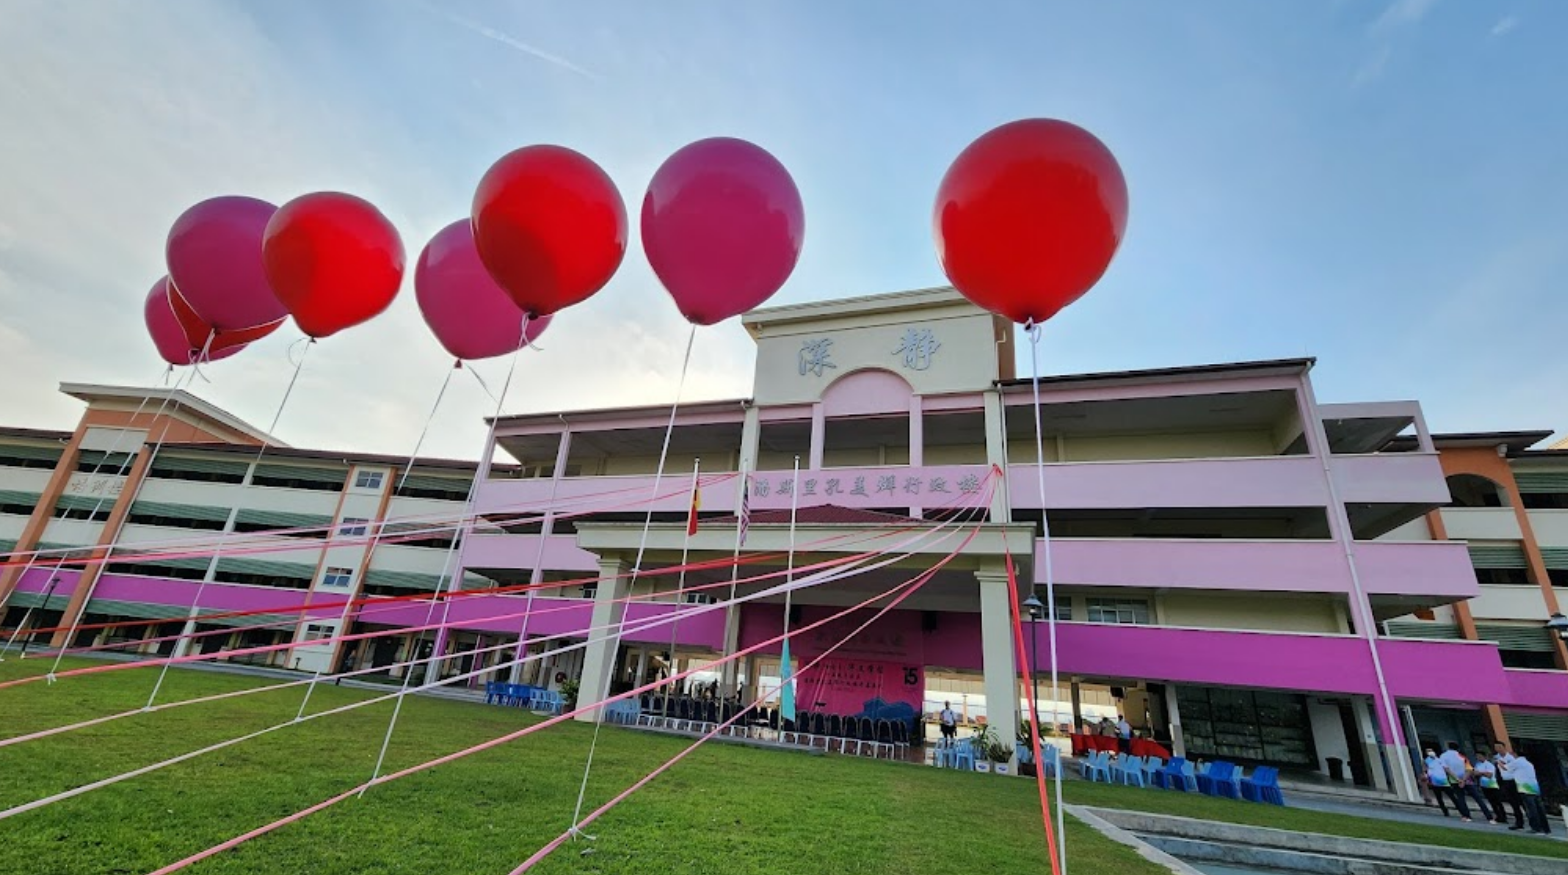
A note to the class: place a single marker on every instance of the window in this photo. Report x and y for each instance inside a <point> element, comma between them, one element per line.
<point>699,598</point>
<point>1545,500</point>
<point>338,577</point>
<point>590,590</point>
<point>1128,612</point>
<point>1503,576</point>
<point>316,632</point>
<point>353,527</point>
<point>368,479</point>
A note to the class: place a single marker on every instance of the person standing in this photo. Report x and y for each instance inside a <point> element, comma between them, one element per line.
<point>1123,735</point>
<point>1503,758</point>
<point>1459,785</point>
<point>1530,793</point>
<point>1437,779</point>
<point>948,720</point>
<point>1485,773</point>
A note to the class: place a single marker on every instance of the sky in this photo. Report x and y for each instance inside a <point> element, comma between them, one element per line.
<point>1381,185</point>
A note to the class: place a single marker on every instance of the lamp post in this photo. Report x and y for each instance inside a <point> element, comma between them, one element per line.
<point>1036,611</point>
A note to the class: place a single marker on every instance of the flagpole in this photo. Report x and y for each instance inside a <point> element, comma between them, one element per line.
<point>732,614</point>
<point>787,686</point>
<point>691,529</point>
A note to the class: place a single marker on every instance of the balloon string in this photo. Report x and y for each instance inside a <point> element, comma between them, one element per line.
<point>482,384</point>
<point>658,474</point>
<point>217,552</point>
<point>1033,328</point>
<point>425,432</point>
<point>450,578</point>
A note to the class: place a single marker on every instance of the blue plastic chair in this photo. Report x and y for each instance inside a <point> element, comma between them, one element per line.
<point>1100,766</point>
<point>1170,776</point>
<point>964,756</point>
<point>1053,759</point>
<point>1151,766</point>
<point>495,690</point>
<point>1263,786</point>
<point>1216,774</point>
<point>1129,770</point>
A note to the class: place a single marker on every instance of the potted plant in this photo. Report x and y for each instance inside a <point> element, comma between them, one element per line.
<point>568,696</point>
<point>999,754</point>
<point>1025,747</point>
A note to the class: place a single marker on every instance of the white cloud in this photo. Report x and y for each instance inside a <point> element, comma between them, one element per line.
<point>506,39</point>
<point>1507,24</point>
<point>1402,13</point>
<point>131,114</point>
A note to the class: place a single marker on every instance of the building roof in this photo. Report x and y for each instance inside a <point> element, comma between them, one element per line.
<point>821,515</point>
<point>34,434</point>
<point>337,456</point>
<point>590,414</point>
<point>93,392</point>
<point>1515,441</point>
<point>1290,365</point>
<point>863,305</point>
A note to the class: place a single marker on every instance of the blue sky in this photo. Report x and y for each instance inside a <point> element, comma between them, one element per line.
<point>1378,184</point>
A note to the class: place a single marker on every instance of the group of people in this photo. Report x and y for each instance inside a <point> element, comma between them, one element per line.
<point>1489,780</point>
<point>1121,730</point>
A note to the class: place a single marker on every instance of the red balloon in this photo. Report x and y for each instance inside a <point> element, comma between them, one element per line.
<point>200,335</point>
<point>550,227</point>
<point>170,333</point>
<point>333,260</point>
<point>1029,216</point>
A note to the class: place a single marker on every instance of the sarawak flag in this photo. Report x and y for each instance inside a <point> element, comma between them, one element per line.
<point>696,505</point>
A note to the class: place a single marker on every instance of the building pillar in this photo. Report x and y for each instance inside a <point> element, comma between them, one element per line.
<point>996,455</point>
<point>1402,776</point>
<point>1076,692</point>
<point>609,609</point>
<point>1173,714</point>
<point>819,434</point>
<point>1366,736</point>
<point>998,661</point>
<point>182,647</point>
<point>43,513</point>
<point>642,667</point>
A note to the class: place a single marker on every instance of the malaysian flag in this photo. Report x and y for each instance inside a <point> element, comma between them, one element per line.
<point>745,509</point>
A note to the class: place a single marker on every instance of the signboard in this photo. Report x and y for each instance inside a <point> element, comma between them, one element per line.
<point>871,688</point>
<point>95,485</point>
<point>933,486</point>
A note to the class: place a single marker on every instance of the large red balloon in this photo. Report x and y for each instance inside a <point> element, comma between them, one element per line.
<point>722,225</point>
<point>550,227</point>
<point>1029,216</point>
<point>200,335</point>
<point>333,260</point>
<point>467,312</point>
<point>170,334</point>
<point>214,256</point>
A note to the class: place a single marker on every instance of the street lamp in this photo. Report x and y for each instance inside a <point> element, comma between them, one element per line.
<point>1036,611</point>
<point>1558,624</point>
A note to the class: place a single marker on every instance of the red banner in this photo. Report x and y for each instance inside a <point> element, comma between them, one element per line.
<point>862,688</point>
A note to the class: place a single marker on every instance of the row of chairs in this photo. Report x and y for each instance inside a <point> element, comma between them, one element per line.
<point>1220,778</point>
<point>523,696</point>
<point>848,735</point>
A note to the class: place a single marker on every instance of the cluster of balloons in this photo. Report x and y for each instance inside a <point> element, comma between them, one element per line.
<point>238,267</point>
<point>722,225</point>
<point>1026,221</point>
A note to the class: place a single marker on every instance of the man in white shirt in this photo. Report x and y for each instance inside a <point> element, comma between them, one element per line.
<point>1460,785</point>
<point>1530,792</point>
<point>1123,734</point>
<point>1504,759</point>
<point>948,720</point>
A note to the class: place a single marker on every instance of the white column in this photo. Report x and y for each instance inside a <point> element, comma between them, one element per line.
<point>996,454</point>
<point>998,661</point>
<point>819,433</point>
<point>642,667</point>
<point>1178,744</point>
<point>1366,736</point>
<point>599,656</point>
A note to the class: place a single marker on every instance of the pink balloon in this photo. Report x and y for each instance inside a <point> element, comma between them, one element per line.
<point>214,257</point>
<point>722,224</point>
<point>472,316</point>
<point>168,334</point>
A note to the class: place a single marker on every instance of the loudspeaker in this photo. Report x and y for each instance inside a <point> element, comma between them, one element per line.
<point>929,620</point>
<point>794,615</point>
<point>1118,693</point>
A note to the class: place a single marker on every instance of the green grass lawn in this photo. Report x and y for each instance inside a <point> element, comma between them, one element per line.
<point>725,809</point>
